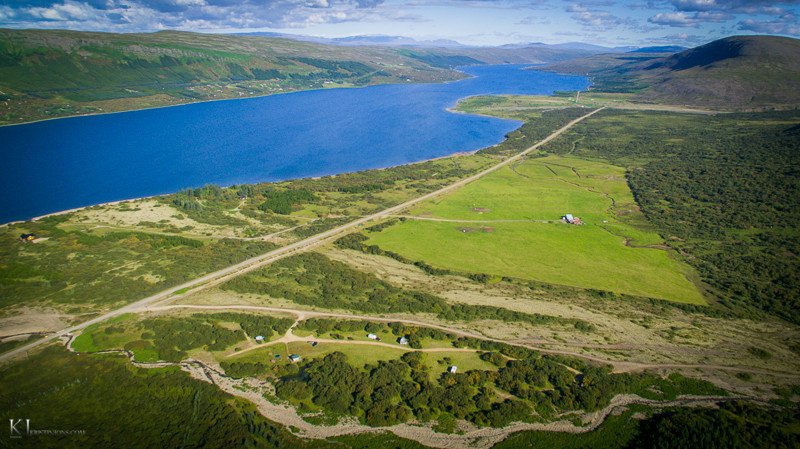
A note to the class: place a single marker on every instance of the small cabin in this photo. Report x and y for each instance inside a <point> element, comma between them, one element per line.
<point>402,340</point>
<point>27,237</point>
<point>571,219</point>
<point>452,369</point>
<point>295,358</point>
<point>259,338</point>
<point>372,337</point>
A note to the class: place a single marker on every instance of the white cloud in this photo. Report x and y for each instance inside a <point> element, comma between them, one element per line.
<point>788,27</point>
<point>6,13</point>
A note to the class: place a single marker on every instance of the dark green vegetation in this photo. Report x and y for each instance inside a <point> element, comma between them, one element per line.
<point>732,425</point>
<point>540,387</point>
<point>345,195</point>
<point>723,190</point>
<point>616,432</point>
<point>161,407</point>
<point>533,130</point>
<point>281,202</point>
<point>95,267</point>
<point>739,72</point>
<point>8,345</point>
<point>312,279</point>
<point>51,73</point>
<point>168,338</point>
<point>438,60</point>
<point>166,407</point>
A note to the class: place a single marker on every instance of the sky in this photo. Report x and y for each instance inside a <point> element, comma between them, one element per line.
<point>472,22</point>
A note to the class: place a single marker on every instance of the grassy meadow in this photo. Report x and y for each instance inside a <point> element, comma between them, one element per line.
<point>508,224</point>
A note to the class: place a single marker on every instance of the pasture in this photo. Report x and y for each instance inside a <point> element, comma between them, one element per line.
<point>508,224</point>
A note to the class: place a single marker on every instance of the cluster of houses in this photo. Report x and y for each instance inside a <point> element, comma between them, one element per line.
<point>296,357</point>
<point>401,340</point>
<point>404,341</point>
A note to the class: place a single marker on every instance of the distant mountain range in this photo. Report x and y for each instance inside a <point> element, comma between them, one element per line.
<point>661,49</point>
<point>371,40</point>
<point>403,41</point>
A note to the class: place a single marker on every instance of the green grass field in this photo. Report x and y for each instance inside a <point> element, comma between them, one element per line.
<point>357,354</point>
<point>593,255</point>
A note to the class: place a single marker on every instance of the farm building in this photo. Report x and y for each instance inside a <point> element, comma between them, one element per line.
<point>27,237</point>
<point>295,358</point>
<point>452,369</point>
<point>259,338</point>
<point>402,340</point>
<point>571,219</point>
<point>372,337</point>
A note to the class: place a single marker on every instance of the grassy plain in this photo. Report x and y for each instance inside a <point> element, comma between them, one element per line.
<point>103,256</point>
<point>507,224</point>
<point>357,354</point>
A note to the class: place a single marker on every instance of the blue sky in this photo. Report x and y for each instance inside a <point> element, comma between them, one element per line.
<point>475,22</point>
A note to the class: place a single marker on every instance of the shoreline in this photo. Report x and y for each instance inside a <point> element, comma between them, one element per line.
<point>147,197</point>
<point>92,114</point>
<point>450,109</point>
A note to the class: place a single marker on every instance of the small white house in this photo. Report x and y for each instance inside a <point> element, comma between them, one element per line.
<point>295,358</point>
<point>259,338</point>
<point>402,340</point>
<point>372,337</point>
<point>452,369</point>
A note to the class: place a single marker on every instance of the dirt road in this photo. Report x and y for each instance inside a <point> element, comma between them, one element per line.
<point>619,366</point>
<point>254,263</point>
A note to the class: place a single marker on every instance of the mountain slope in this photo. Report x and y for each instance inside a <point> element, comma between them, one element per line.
<point>738,72</point>
<point>54,73</point>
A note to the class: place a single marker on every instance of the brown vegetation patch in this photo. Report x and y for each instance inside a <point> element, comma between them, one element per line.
<point>480,229</point>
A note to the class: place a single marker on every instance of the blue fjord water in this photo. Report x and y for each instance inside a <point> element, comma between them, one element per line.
<point>66,163</point>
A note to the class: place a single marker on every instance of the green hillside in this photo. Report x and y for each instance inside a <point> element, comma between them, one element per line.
<point>739,72</point>
<point>45,73</point>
